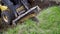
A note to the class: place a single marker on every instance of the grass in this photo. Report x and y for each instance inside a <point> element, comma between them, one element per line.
<point>49,23</point>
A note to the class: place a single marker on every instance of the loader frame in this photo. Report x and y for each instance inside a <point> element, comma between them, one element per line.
<point>24,14</point>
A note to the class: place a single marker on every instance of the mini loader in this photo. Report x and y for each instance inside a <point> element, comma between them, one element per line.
<point>22,11</point>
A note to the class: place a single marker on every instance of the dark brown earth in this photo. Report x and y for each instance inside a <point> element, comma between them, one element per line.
<point>45,4</point>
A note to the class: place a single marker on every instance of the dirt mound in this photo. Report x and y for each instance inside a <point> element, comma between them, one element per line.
<point>44,4</point>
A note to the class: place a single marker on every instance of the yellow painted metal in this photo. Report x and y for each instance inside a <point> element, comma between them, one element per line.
<point>20,8</point>
<point>3,8</point>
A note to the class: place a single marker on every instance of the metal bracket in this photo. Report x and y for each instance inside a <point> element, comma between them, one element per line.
<point>30,10</point>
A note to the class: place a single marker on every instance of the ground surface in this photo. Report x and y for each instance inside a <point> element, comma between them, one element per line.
<point>49,24</point>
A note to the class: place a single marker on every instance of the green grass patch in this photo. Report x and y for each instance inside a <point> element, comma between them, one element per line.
<point>49,23</point>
